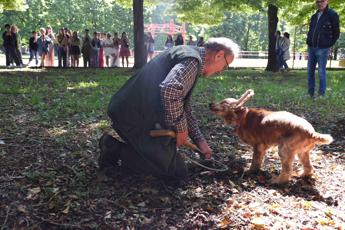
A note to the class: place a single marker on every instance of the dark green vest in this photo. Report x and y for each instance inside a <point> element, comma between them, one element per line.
<point>137,106</point>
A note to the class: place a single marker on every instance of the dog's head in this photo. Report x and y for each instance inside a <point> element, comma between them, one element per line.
<point>229,107</point>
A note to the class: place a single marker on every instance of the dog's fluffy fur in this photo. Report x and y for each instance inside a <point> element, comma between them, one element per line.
<point>263,129</point>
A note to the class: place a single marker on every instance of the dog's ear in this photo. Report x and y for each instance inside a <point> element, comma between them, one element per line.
<point>245,97</point>
<point>230,117</point>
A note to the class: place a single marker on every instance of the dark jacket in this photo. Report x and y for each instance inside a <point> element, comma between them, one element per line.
<point>323,33</point>
<point>33,44</point>
<point>139,100</point>
<point>9,40</point>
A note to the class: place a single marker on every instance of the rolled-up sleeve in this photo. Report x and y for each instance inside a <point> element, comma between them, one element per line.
<point>174,89</point>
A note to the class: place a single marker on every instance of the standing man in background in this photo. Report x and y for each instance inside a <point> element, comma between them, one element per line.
<point>323,33</point>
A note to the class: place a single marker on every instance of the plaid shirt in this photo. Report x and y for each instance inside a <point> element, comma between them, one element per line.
<point>174,89</point>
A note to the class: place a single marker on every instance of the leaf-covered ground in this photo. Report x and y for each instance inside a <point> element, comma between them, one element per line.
<point>50,123</point>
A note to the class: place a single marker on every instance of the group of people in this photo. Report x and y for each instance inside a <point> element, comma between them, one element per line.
<point>102,50</point>
<point>11,44</point>
<point>169,43</point>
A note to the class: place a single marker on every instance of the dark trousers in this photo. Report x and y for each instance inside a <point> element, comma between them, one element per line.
<point>62,57</point>
<point>147,155</point>
<point>86,59</point>
<point>19,55</point>
<point>11,55</point>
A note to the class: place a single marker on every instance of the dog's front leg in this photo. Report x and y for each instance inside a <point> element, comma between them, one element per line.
<point>258,157</point>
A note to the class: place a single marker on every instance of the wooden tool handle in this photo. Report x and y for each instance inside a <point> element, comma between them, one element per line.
<point>170,133</point>
<point>162,133</point>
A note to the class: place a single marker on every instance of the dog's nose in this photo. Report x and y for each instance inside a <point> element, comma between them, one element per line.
<point>211,105</point>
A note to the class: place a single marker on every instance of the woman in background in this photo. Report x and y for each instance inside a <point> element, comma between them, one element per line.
<point>49,61</point>
<point>15,30</point>
<point>124,51</point>
<point>75,49</point>
<point>150,46</point>
<point>43,43</point>
<point>169,42</point>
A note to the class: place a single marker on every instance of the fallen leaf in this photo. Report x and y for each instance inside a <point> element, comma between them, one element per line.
<point>107,215</point>
<point>22,208</point>
<point>258,223</point>
<point>32,193</point>
<point>224,223</point>
<point>142,204</point>
<point>67,205</point>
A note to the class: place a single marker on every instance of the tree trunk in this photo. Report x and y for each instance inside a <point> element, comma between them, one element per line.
<point>247,36</point>
<point>272,27</point>
<point>140,56</point>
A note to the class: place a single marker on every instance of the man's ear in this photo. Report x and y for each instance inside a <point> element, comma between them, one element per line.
<point>219,54</point>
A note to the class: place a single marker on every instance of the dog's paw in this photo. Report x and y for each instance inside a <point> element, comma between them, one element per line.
<point>253,170</point>
<point>307,173</point>
<point>278,181</point>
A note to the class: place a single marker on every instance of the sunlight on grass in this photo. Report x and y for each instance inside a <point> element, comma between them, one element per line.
<point>60,94</point>
<point>83,85</point>
<point>102,124</point>
<point>56,131</point>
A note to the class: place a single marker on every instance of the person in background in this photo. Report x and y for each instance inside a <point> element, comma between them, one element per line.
<point>86,48</point>
<point>279,49</point>
<point>169,42</point>
<point>323,32</point>
<point>102,37</point>
<point>15,30</point>
<point>115,56</point>
<point>190,41</point>
<point>49,62</point>
<point>158,96</point>
<point>286,51</point>
<point>150,43</point>
<point>62,41</point>
<point>75,49</point>
<point>124,50</point>
<point>10,46</point>
<point>109,49</point>
<point>43,43</point>
<point>95,44</point>
<point>200,42</point>
<point>68,34</point>
<point>179,40</point>
<point>33,48</point>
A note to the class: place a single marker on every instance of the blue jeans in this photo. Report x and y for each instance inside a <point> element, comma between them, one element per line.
<point>317,56</point>
<point>33,54</point>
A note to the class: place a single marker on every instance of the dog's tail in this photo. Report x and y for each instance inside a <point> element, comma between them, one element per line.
<point>322,139</point>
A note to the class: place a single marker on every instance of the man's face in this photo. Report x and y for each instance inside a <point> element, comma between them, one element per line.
<point>216,62</point>
<point>321,4</point>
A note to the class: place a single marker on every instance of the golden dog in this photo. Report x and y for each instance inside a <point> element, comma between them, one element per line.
<point>263,129</point>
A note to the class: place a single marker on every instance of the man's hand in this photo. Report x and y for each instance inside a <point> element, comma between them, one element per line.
<point>205,149</point>
<point>181,138</point>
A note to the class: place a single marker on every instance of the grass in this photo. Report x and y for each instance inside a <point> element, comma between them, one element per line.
<point>51,121</point>
<point>85,93</point>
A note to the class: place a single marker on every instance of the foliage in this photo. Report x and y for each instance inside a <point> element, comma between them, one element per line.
<point>105,16</point>
<point>12,5</point>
